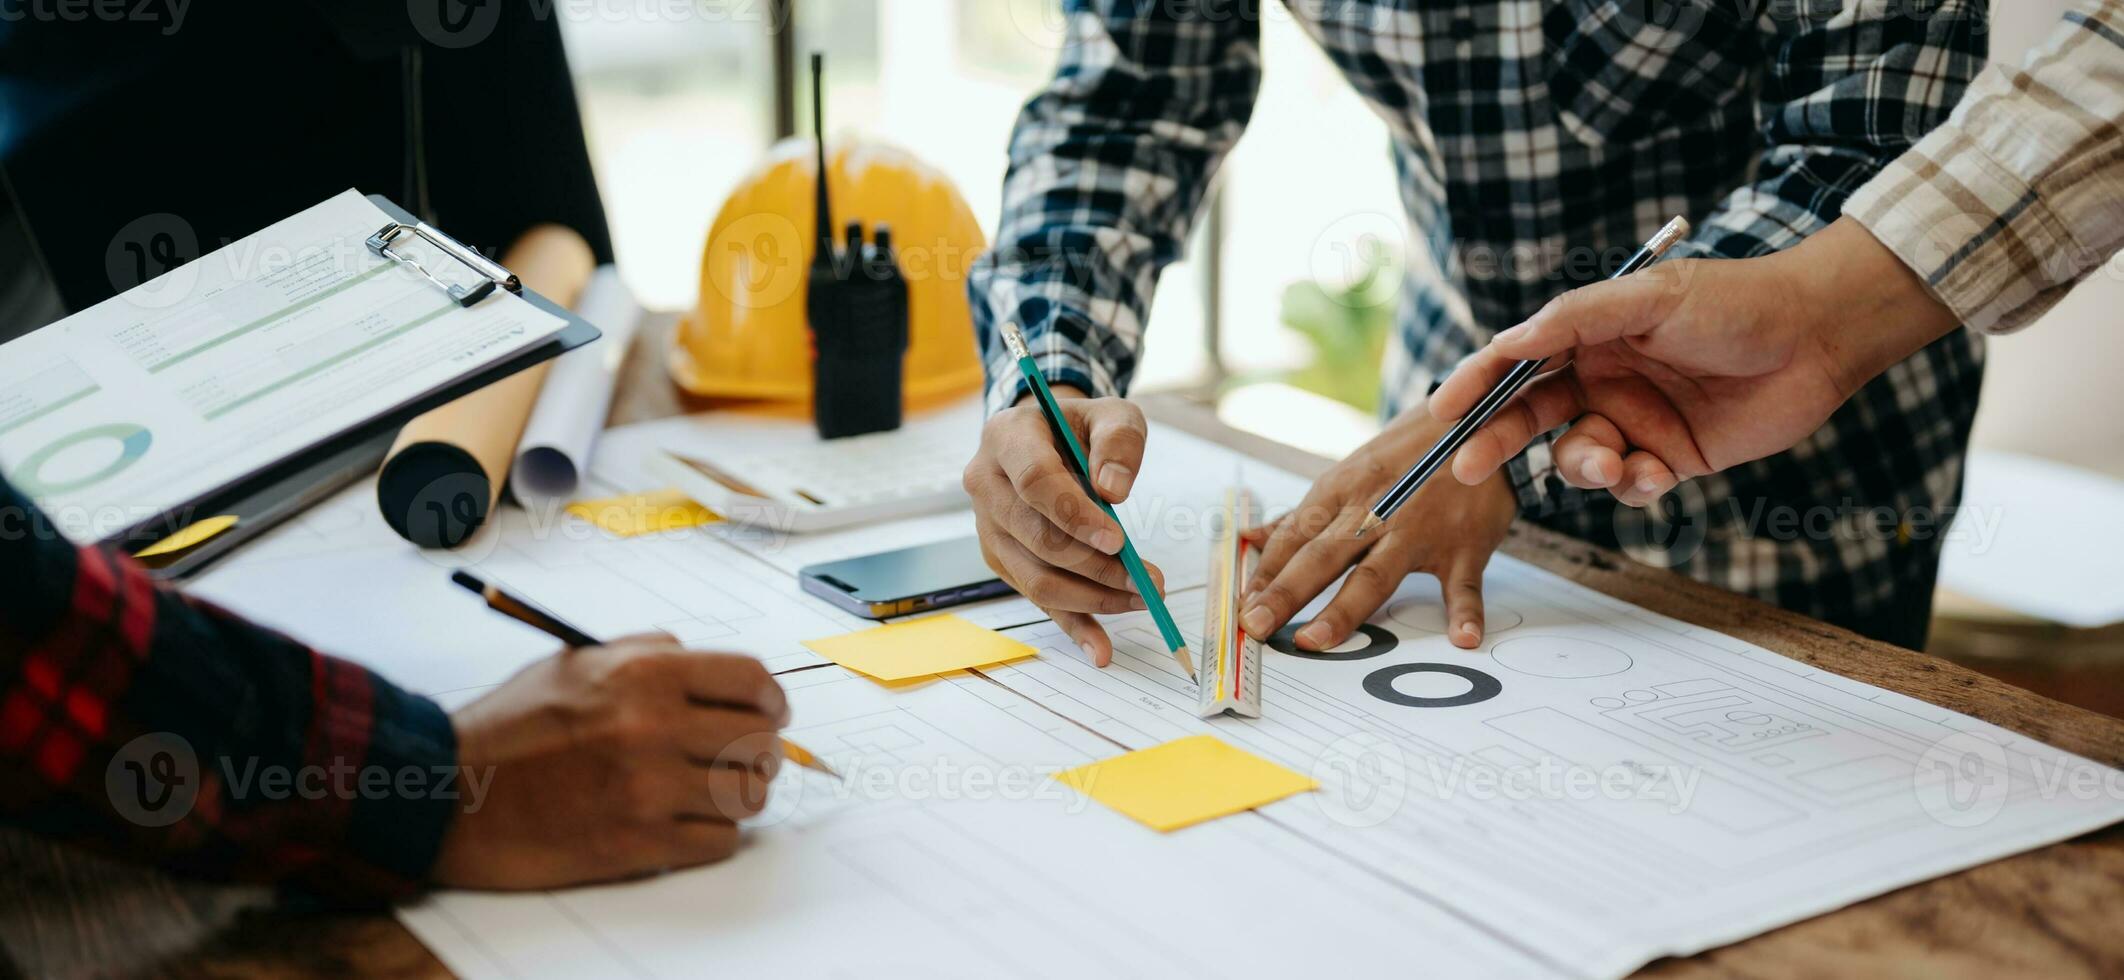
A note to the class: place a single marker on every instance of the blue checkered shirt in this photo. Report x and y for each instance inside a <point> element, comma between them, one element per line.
<point>1537,144</point>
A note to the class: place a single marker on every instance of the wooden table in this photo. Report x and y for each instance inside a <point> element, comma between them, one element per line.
<point>2053,911</point>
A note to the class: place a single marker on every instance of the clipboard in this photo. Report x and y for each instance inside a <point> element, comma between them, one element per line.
<point>263,499</point>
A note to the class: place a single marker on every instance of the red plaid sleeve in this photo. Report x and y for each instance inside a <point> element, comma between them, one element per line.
<point>144,723</point>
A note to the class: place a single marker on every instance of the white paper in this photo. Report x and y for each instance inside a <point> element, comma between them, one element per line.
<point>948,852</point>
<point>342,581</point>
<point>571,408</point>
<point>239,359</point>
<point>2040,538</point>
<point>1634,787</point>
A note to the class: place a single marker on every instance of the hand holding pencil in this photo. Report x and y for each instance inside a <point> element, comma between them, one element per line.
<point>1469,417</point>
<point>532,614</point>
<point>606,762</point>
<point>1347,527</point>
<point>1041,528</point>
<point>1698,365</point>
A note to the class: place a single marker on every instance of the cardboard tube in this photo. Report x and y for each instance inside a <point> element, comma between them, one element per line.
<point>444,475</point>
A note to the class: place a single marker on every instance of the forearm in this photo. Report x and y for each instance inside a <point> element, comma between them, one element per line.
<point>1109,165</point>
<point>138,722</point>
<point>2021,194</point>
<point>1833,121</point>
<point>1863,306</point>
<point>1843,91</point>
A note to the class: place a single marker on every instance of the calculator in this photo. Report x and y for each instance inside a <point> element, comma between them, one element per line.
<point>818,486</point>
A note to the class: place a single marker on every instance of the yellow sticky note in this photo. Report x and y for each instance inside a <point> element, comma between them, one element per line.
<point>915,682</point>
<point>1184,782</point>
<point>644,513</point>
<point>190,536</point>
<point>918,648</point>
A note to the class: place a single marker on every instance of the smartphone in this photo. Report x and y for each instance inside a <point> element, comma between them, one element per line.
<point>908,580</point>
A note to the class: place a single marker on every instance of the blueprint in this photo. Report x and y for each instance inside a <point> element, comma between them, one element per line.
<point>948,852</point>
<point>1611,784</point>
<point>1593,788</point>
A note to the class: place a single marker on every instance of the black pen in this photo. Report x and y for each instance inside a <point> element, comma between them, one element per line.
<point>1514,380</point>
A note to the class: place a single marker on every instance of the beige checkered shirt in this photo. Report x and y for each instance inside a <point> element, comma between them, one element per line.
<point>2021,194</point>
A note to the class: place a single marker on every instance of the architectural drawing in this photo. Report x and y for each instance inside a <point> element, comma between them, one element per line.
<point>1622,784</point>
<point>949,854</point>
<point>1596,786</point>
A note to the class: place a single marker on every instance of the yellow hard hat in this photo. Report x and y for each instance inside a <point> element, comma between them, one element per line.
<point>747,336</point>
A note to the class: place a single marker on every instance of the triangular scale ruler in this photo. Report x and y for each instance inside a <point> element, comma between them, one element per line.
<point>1230,678</point>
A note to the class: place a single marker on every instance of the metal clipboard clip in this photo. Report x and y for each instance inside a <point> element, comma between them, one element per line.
<point>490,273</point>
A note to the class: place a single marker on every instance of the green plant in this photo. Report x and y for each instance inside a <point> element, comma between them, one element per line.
<point>1346,327</point>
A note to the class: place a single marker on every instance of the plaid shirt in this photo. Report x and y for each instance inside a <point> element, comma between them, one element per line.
<point>141,722</point>
<point>1537,145</point>
<point>2021,195</point>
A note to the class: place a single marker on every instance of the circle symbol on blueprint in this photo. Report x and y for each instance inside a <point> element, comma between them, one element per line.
<point>132,443</point>
<point>1366,642</point>
<point>1481,686</point>
<point>1562,657</point>
<point>1428,614</point>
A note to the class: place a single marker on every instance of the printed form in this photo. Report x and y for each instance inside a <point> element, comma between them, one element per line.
<point>241,358</point>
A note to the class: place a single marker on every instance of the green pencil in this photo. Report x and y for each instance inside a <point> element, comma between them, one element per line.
<point>1068,437</point>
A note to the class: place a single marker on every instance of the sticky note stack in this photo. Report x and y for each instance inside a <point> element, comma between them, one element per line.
<point>919,648</point>
<point>1185,782</point>
<point>644,513</point>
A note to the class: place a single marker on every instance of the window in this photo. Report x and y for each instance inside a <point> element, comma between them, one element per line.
<point>679,102</point>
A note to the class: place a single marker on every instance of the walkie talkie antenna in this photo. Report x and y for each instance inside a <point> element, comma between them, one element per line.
<point>818,134</point>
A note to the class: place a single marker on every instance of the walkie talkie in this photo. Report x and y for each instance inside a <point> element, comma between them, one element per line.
<point>856,302</point>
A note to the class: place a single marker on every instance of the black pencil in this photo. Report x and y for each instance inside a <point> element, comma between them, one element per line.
<point>532,614</point>
<point>1514,380</point>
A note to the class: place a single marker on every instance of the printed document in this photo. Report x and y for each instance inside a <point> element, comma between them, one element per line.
<point>222,367</point>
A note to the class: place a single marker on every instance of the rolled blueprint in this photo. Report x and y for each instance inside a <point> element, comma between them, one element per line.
<point>445,472</point>
<point>570,412</point>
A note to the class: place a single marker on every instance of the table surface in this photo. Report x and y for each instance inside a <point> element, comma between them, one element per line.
<point>2052,911</point>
